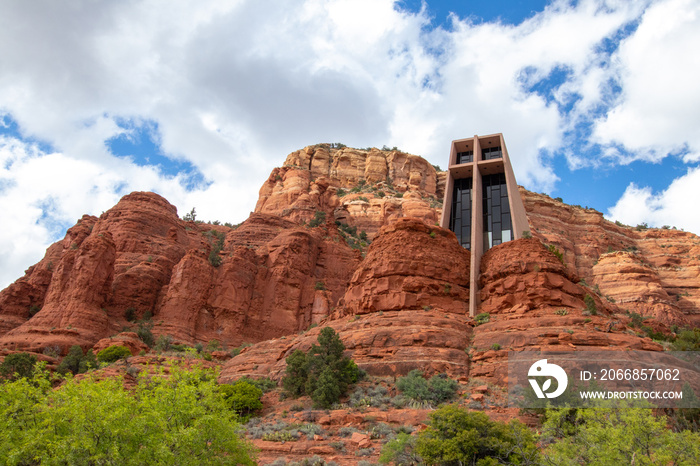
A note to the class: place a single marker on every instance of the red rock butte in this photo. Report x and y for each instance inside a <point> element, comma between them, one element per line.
<point>349,238</point>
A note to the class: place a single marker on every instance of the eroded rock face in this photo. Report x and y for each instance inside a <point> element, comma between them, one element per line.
<point>662,266</point>
<point>533,303</point>
<point>411,266</point>
<point>406,308</point>
<point>391,185</point>
<point>276,277</point>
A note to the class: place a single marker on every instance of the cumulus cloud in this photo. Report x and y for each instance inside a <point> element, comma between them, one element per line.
<point>233,86</point>
<point>672,207</point>
<point>657,69</point>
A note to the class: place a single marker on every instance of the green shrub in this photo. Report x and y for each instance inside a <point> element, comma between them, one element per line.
<point>324,374</point>
<point>18,365</point>
<point>320,286</point>
<point>496,346</point>
<point>482,318</point>
<point>163,343</point>
<point>561,312</point>
<point>457,436</point>
<point>319,219</point>
<point>400,451</point>
<point>553,249</point>
<point>145,335</point>
<point>76,362</point>
<point>265,384</point>
<point>180,419</point>
<point>113,353</point>
<point>687,340</point>
<point>130,314</point>
<point>242,397</point>
<point>590,304</point>
<point>437,390</point>
<point>526,234</point>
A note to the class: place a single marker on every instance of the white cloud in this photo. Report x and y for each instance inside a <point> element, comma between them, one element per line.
<point>236,85</point>
<point>672,207</point>
<point>658,69</point>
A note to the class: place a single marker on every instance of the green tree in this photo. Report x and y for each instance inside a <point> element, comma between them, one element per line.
<point>113,353</point>
<point>324,374</point>
<point>297,372</point>
<point>616,434</point>
<point>340,371</point>
<point>76,362</point>
<point>456,436</point>
<point>178,420</point>
<point>242,397</point>
<point>18,365</point>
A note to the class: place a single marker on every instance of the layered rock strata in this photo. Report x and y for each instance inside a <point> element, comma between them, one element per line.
<point>530,301</point>
<point>275,277</point>
<point>362,188</point>
<point>406,308</point>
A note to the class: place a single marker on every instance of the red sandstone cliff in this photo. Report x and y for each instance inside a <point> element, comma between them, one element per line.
<point>278,275</point>
<point>653,272</point>
<point>388,185</point>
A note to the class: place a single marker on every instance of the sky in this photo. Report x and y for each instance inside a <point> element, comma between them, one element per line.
<point>197,100</point>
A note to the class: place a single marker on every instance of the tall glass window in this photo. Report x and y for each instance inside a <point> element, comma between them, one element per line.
<point>461,214</point>
<point>489,153</point>
<point>465,157</point>
<point>497,222</point>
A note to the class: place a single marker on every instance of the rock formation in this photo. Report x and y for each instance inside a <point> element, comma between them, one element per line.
<point>275,278</point>
<point>297,261</point>
<point>406,308</point>
<point>654,272</point>
<point>363,188</point>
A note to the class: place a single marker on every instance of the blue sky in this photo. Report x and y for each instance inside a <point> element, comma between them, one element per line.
<point>597,99</point>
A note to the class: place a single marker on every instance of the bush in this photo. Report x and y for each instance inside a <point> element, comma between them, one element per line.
<point>437,390</point>
<point>77,363</point>
<point>145,335</point>
<point>113,353</point>
<point>319,218</point>
<point>400,451</point>
<point>130,314</point>
<point>242,397</point>
<point>180,419</point>
<point>590,304</point>
<point>482,318</point>
<point>457,436</point>
<point>324,374</point>
<point>687,340</point>
<point>163,343</point>
<point>553,249</point>
<point>18,365</point>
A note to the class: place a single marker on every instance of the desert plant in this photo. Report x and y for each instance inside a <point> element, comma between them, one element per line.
<point>438,389</point>
<point>76,362</point>
<point>482,318</point>
<point>590,304</point>
<point>18,365</point>
<point>113,353</point>
<point>242,397</point>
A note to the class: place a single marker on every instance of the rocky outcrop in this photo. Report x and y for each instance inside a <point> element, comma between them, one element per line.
<point>530,301</point>
<point>661,266</point>
<point>411,266</point>
<point>363,188</point>
<point>139,259</point>
<point>406,308</point>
